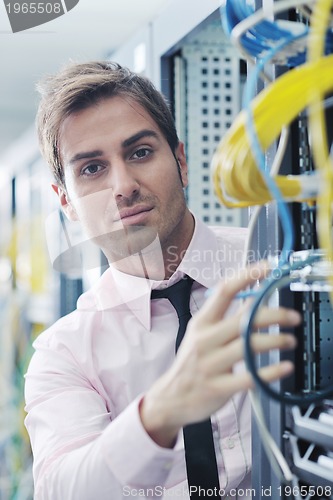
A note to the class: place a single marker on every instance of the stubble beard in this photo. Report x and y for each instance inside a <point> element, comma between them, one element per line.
<point>126,242</point>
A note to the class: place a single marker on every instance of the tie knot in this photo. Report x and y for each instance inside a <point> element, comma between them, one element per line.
<point>178,294</point>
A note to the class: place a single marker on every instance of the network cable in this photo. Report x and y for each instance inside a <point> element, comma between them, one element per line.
<point>315,95</point>
<point>238,181</point>
<point>320,19</point>
<point>258,139</point>
<point>277,460</point>
<point>256,150</point>
<point>257,35</point>
<point>254,34</point>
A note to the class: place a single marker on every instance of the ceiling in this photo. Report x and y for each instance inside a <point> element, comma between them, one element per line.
<point>91,30</point>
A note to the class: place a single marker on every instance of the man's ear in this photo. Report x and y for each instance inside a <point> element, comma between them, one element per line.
<point>181,159</point>
<point>65,203</point>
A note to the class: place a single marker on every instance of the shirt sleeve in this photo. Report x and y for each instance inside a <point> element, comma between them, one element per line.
<point>80,451</point>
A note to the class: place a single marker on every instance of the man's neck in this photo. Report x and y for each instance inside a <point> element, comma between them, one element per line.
<point>158,262</point>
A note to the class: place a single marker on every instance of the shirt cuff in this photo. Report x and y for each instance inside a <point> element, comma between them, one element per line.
<point>134,458</point>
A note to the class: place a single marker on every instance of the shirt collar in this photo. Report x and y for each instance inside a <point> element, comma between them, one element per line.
<point>201,261</point>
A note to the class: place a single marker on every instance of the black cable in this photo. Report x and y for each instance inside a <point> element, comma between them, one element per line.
<point>279,278</point>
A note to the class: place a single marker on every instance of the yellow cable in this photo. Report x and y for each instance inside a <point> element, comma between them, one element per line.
<point>237,179</point>
<point>320,19</point>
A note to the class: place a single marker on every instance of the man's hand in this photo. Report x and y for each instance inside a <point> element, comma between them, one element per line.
<point>201,380</point>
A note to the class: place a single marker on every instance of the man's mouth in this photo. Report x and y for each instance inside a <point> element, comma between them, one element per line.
<point>133,215</point>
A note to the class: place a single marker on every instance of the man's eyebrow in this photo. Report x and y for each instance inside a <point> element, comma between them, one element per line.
<point>140,135</point>
<point>125,144</point>
<point>85,155</point>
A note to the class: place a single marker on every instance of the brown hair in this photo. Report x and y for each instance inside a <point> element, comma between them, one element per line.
<point>80,85</point>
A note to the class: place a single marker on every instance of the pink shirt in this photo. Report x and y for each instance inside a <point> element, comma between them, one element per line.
<point>92,367</point>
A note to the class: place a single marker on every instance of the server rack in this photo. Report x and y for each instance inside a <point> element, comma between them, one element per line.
<point>303,433</point>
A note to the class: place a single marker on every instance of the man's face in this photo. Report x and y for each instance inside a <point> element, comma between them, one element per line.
<point>122,179</point>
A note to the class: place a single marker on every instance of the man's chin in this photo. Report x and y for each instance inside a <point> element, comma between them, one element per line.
<point>127,241</point>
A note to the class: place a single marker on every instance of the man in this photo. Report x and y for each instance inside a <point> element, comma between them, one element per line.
<point>106,395</point>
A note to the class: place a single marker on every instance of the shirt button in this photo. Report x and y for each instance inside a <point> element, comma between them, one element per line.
<point>231,443</point>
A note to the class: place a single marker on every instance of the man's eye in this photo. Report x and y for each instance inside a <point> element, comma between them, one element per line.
<point>141,153</point>
<point>91,169</point>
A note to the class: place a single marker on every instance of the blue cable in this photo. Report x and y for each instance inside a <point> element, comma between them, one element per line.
<point>284,214</point>
<point>256,43</point>
<point>259,38</point>
<point>270,284</point>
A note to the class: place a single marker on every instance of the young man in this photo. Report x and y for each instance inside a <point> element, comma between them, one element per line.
<point>106,395</point>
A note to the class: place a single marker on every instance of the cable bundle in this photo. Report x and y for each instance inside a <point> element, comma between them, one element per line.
<point>239,170</point>
<point>260,36</point>
<point>237,179</point>
<point>240,173</point>
<point>321,18</point>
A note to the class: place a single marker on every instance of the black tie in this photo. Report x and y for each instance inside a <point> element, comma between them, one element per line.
<point>200,456</point>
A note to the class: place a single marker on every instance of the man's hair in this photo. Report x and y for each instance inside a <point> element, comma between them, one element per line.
<point>80,85</point>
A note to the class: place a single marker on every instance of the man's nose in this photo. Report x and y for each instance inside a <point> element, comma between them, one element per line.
<point>122,181</point>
